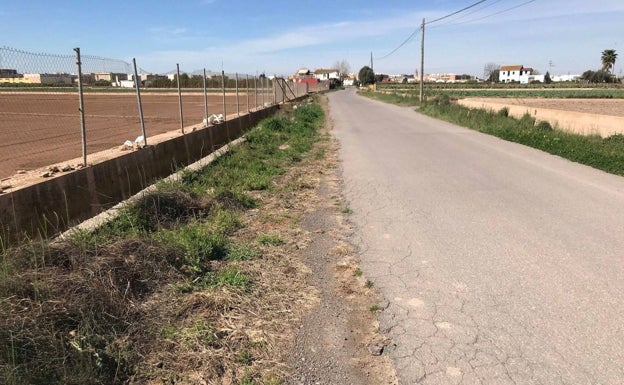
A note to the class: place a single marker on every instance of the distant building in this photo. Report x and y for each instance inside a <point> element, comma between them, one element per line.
<point>15,80</point>
<point>447,78</point>
<point>9,73</point>
<point>147,79</point>
<point>566,78</point>
<point>49,78</point>
<point>402,78</point>
<point>114,78</point>
<point>11,76</point>
<point>514,73</point>
<point>126,84</point>
<point>327,74</point>
<point>303,73</point>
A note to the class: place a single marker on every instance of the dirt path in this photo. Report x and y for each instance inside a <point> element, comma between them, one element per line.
<point>337,341</point>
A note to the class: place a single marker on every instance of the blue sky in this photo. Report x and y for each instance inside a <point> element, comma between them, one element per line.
<point>281,36</point>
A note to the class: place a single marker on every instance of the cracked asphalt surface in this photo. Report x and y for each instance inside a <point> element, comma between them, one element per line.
<point>502,264</point>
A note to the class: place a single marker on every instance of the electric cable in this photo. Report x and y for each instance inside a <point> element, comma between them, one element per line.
<point>456,12</point>
<point>495,13</point>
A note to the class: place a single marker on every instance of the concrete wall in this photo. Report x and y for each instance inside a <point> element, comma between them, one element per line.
<point>58,203</point>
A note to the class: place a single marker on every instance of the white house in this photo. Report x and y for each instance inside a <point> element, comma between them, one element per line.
<point>327,74</point>
<point>514,73</point>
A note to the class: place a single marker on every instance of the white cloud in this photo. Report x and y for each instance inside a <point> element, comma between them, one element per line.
<point>270,50</point>
<point>327,34</point>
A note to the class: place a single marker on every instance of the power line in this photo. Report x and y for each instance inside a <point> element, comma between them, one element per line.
<point>467,14</point>
<point>417,30</point>
<point>410,37</point>
<point>456,12</point>
<point>495,13</point>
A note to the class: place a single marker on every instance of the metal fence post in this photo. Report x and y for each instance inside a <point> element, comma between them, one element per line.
<point>274,90</point>
<point>256,91</point>
<point>205,100</point>
<point>223,89</point>
<point>81,108</point>
<point>237,104</point>
<point>247,90</point>
<point>137,84</point>
<point>180,99</point>
<point>262,89</point>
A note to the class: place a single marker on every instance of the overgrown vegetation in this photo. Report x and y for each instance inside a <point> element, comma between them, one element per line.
<point>401,99</point>
<point>141,298</point>
<point>602,153</point>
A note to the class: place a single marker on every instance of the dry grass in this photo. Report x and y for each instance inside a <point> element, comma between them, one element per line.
<point>177,290</point>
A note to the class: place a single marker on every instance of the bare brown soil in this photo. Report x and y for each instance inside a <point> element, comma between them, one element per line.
<point>40,129</point>
<point>612,107</point>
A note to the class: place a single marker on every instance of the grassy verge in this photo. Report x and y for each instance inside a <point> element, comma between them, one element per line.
<point>606,154</point>
<point>532,93</point>
<point>401,99</point>
<point>188,285</point>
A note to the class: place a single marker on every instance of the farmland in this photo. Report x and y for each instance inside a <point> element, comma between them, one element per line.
<point>39,129</point>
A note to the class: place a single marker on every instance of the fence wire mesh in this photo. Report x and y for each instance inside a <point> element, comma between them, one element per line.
<point>40,123</point>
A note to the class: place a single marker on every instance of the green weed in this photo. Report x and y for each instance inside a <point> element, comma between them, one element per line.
<point>270,239</point>
<point>241,252</point>
<point>229,277</point>
<point>244,357</point>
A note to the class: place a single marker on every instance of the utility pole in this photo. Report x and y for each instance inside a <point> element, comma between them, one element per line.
<point>422,61</point>
<point>372,61</point>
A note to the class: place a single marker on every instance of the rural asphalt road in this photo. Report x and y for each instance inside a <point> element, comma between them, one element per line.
<point>501,264</point>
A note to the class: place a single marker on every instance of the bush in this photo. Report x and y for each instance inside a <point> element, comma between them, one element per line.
<point>503,112</point>
<point>527,121</point>
<point>543,126</point>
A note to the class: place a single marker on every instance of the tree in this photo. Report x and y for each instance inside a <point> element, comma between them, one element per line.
<point>366,76</point>
<point>342,66</point>
<point>608,59</point>
<point>600,76</point>
<point>547,78</point>
<point>491,72</point>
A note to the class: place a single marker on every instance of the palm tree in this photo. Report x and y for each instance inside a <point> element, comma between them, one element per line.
<point>608,59</point>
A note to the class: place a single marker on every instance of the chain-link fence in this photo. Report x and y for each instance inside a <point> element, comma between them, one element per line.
<point>46,121</point>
